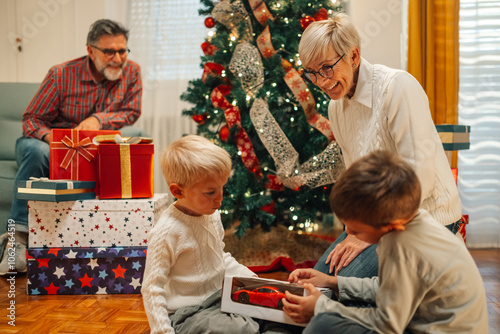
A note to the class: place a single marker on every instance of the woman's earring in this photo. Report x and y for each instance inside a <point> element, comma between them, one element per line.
<point>353,65</point>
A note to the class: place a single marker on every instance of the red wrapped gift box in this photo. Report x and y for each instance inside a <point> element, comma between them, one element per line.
<point>126,170</point>
<point>73,156</point>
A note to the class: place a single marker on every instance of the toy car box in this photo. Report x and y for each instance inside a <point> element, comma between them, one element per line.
<point>260,297</point>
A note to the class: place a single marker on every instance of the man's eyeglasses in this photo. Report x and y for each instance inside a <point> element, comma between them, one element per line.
<point>326,72</point>
<point>110,53</point>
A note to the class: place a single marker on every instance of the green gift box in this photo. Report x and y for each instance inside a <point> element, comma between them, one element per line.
<point>454,137</point>
<point>47,190</point>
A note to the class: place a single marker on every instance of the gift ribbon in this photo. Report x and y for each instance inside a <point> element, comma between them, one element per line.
<point>46,179</point>
<point>75,148</point>
<point>125,171</point>
<point>294,81</point>
<point>243,142</point>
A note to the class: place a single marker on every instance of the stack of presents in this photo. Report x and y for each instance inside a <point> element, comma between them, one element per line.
<point>89,222</point>
<point>454,138</point>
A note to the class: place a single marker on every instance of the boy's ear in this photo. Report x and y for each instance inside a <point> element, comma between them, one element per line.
<point>176,190</point>
<point>397,225</point>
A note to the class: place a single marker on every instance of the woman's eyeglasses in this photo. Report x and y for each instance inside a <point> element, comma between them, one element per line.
<point>326,72</point>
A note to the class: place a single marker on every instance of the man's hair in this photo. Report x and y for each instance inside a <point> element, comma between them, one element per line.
<point>322,37</point>
<point>193,159</point>
<point>376,190</point>
<point>105,27</point>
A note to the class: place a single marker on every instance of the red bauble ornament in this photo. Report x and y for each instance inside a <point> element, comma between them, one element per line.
<point>322,14</point>
<point>200,119</point>
<point>306,21</point>
<point>209,22</point>
<point>224,133</point>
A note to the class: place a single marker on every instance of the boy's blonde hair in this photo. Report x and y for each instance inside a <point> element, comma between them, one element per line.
<point>376,190</point>
<point>192,159</point>
<point>321,37</point>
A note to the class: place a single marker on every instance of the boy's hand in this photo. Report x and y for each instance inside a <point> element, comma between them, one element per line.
<point>90,123</point>
<point>301,309</point>
<point>345,252</point>
<point>314,277</point>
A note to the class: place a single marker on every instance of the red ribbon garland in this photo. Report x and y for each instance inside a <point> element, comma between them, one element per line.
<point>75,148</point>
<point>233,118</point>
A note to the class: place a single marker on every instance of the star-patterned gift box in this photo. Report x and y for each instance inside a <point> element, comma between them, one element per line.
<point>81,271</point>
<point>93,223</point>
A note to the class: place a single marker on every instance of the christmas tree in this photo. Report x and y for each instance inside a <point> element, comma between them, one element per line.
<point>252,101</point>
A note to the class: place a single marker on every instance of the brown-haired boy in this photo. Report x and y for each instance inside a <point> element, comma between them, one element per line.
<point>427,282</point>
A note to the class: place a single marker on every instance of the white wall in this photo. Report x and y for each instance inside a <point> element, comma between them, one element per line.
<point>37,34</point>
<point>379,23</point>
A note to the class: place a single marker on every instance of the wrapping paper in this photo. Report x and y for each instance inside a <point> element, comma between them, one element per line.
<point>77,271</point>
<point>93,223</point>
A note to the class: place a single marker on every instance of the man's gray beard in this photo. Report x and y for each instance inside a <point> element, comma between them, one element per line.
<point>112,74</point>
<point>109,74</point>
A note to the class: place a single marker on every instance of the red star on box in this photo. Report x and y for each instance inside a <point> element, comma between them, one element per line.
<point>52,289</point>
<point>54,251</point>
<point>119,271</point>
<point>86,280</point>
<point>43,263</point>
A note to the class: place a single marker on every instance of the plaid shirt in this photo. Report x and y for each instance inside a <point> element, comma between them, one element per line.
<point>69,94</point>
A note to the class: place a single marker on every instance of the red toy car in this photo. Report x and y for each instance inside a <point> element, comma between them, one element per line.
<point>264,296</point>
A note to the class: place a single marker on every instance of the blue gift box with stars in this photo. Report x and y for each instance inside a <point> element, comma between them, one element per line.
<point>85,270</point>
<point>93,222</point>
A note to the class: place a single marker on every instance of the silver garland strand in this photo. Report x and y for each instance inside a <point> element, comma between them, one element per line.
<point>320,170</point>
<point>246,64</point>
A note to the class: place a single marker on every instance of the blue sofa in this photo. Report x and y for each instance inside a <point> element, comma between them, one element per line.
<point>15,97</point>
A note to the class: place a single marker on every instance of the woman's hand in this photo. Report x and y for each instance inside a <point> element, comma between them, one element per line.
<point>345,252</point>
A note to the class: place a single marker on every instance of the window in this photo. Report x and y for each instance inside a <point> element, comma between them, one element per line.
<point>479,107</point>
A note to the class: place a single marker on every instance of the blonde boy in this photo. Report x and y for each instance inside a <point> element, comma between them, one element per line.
<point>186,262</point>
<point>427,282</point>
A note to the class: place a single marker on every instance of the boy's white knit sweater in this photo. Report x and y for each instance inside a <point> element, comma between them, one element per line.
<point>390,111</point>
<point>186,263</point>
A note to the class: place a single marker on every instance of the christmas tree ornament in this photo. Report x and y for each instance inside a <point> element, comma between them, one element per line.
<point>211,69</point>
<point>209,22</point>
<point>306,21</point>
<point>246,64</point>
<point>208,49</point>
<point>224,133</point>
<point>322,14</point>
<point>269,208</point>
<point>200,119</point>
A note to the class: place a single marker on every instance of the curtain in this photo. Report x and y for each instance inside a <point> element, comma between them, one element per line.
<point>479,107</point>
<point>433,54</point>
<point>165,39</point>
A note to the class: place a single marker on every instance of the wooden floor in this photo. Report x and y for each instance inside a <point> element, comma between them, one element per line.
<point>125,313</point>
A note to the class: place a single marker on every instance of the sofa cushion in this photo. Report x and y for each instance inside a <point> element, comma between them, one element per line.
<point>9,132</point>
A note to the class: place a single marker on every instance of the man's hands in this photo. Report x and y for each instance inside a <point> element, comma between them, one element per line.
<point>301,309</point>
<point>345,252</point>
<point>90,123</point>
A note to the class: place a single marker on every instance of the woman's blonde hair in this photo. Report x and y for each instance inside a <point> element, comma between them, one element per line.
<point>192,159</point>
<point>321,37</point>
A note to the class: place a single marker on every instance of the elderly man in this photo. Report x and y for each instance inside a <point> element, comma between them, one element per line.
<point>101,90</point>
